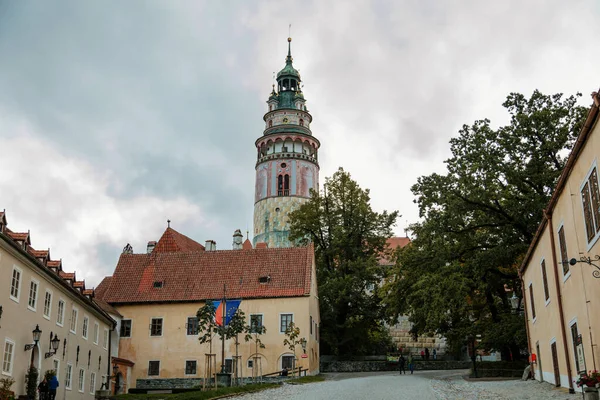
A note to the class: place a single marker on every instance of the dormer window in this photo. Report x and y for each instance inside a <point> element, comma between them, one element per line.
<point>158,284</point>
<point>264,279</point>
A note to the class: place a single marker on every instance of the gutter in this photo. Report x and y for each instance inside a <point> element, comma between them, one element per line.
<point>560,303</point>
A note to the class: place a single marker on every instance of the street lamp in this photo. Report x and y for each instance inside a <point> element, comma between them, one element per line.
<point>303,343</point>
<point>515,302</point>
<point>37,332</point>
<point>590,261</point>
<point>55,343</point>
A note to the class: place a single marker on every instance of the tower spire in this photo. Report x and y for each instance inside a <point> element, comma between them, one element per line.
<point>288,59</point>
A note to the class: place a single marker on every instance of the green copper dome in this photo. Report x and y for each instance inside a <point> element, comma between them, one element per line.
<point>289,69</point>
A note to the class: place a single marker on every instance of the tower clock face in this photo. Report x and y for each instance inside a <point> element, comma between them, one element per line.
<point>285,120</point>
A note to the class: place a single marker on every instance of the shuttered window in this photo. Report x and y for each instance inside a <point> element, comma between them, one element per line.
<point>590,199</point>
<point>564,259</point>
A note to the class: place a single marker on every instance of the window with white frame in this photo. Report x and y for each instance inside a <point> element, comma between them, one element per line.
<point>68,377</point>
<point>590,199</point>
<point>153,368</point>
<point>285,321</point>
<point>81,380</point>
<point>105,344</point>
<point>56,366</point>
<point>564,259</point>
<point>156,326</point>
<point>7,358</point>
<point>74,313</point>
<point>15,284</point>
<point>192,326</point>
<point>96,332</point>
<point>60,313</point>
<point>84,328</point>
<point>125,328</point>
<point>545,281</point>
<point>92,382</point>
<point>47,304</point>
<point>190,367</point>
<point>256,323</point>
<point>287,362</point>
<point>33,293</point>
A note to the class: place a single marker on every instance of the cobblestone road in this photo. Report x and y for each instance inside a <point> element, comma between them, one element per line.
<point>423,385</point>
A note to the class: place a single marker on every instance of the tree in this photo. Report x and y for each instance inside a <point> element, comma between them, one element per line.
<point>253,333</point>
<point>349,239</point>
<point>292,339</point>
<point>478,221</point>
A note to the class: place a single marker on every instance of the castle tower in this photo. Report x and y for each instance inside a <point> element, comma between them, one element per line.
<point>287,166</point>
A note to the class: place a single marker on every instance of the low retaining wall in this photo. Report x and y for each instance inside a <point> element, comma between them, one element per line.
<point>367,366</point>
<point>185,384</point>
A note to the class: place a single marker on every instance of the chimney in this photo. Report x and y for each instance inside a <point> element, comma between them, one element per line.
<point>151,246</point>
<point>210,245</point>
<point>238,238</point>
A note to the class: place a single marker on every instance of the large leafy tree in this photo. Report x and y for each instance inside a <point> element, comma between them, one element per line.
<point>349,239</point>
<point>478,221</point>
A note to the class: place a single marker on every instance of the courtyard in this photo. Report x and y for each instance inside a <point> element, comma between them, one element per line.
<point>425,385</point>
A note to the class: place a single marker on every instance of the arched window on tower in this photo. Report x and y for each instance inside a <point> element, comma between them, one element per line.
<point>270,123</point>
<point>286,185</point>
<point>270,107</point>
<point>301,122</point>
<point>280,185</point>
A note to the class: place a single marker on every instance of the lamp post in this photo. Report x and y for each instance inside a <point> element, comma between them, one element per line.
<point>589,261</point>
<point>37,332</point>
<point>54,343</point>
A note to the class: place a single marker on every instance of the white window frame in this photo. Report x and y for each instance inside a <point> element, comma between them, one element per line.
<point>187,319</point>
<point>35,297</point>
<point>262,319</point>
<point>92,382</point>
<point>57,369</point>
<point>279,322</point>
<point>69,376</point>
<point>148,371</point>
<point>542,262</point>
<point>96,332</point>
<point>185,368</point>
<point>130,327</point>
<point>48,316</point>
<point>73,323</point>
<point>12,356</point>
<point>85,327</point>
<point>162,327</point>
<point>592,241</point>
<point>571,323</point>
<point>248,361</point>
<point>18,296</point>
<point>568,274</point>
<point>59,314</point>
<point>105,339</point>
<point>81,381</point>
<point>532,306</point>
<point>288,354</point>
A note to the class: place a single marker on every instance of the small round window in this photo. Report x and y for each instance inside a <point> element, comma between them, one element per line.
<point>283,165</point>
<point>277,209</point>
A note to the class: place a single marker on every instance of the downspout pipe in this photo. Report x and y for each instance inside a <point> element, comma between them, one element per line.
<point>527,326</point>
<point>108,369</point>
<point>559,298</point>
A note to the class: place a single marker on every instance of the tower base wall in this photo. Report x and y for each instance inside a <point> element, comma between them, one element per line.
<point>271,222</point>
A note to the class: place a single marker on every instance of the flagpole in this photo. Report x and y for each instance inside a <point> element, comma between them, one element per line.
<point>223,330</point>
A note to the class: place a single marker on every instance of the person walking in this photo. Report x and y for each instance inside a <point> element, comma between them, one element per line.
<point>401,362</point>
<point>52,385</point>
<point>434,354</point>
<point>411,363</point>
<point>422,354</point>
<point>427,353</point>
<point>43,389</point>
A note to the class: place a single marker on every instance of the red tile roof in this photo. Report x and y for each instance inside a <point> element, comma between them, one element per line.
<point>247,245</point>
<point>67,275</point>
<point>79,284</point>
<point>18,235</point>
<point>55,263</point>
<point>107,308</point>
<point>38,253</point>
<point>200,275</point>
<point>172,241</point>
<point>261,245</point>
<point>392,244</point>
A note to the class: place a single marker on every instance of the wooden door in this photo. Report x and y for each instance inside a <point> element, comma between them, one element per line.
<point>555,364</point>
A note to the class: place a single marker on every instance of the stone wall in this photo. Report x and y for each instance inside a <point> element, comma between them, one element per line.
<point>402,338</point>
<point>366,366</point>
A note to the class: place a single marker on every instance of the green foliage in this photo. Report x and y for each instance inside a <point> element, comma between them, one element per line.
<point>478,221</point>
<point>5,385</point>
<point>206,323</point>
<point>349,239</point>
<point>292,337</point>
<point>31,382</point>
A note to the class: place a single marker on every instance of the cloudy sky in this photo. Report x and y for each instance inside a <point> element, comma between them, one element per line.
<point>116,116</point>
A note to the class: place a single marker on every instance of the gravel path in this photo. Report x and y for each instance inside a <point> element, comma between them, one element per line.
<point>423,385</point>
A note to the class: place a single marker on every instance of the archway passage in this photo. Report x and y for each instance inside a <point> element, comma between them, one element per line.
<point>119,384</point>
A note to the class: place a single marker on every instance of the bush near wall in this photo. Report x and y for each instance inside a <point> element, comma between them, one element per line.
<point>499,369</point>
<point>369,366</point>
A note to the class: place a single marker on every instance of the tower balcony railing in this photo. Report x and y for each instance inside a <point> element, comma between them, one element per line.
<point>287,128</point>
<point>276,156</point>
